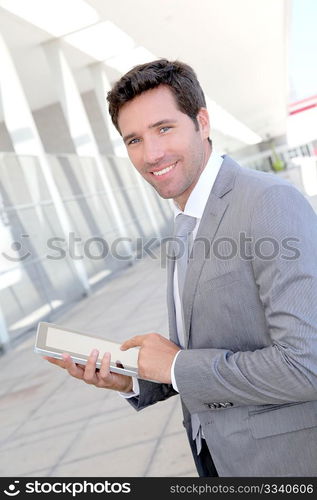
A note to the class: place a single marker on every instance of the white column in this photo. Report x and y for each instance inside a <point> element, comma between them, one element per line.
<point>4,335</point>
<point>308,169</point>
<point>78,123</point>
<point>102,87</point>
<point>26,140</point>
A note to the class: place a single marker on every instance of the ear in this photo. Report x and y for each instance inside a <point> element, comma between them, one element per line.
<point>203,121</point>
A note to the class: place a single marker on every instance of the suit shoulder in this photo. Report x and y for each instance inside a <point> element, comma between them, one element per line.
<point>250,186</point>
<point>255,182</point>
<point>262,180</point>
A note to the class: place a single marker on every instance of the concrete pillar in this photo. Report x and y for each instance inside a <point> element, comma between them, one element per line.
<point>4,335</point>
<point>102,86</point>
<point>26,141</point>
<point>78,123</point>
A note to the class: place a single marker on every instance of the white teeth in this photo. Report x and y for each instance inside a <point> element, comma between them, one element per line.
<point>165,170</point>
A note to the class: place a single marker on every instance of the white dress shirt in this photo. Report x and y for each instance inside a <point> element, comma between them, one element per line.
<point>194,207</point>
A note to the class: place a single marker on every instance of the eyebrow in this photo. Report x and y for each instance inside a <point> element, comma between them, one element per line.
<point>153,125</point>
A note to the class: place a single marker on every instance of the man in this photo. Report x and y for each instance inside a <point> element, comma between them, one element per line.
<point>242,352</point>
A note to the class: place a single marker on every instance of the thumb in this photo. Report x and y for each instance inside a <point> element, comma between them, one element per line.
<point>133,342</point>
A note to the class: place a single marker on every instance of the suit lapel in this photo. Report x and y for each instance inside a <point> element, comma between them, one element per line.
<point>215,209</point>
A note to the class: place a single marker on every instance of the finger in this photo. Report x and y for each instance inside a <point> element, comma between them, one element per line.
<point>90,369</point>
<point>74,370</point>
<point>54,361</point>
<point>104,372</point>
<point>133,342</point>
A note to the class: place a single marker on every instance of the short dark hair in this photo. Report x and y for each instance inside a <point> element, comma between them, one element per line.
<point>180,78</point>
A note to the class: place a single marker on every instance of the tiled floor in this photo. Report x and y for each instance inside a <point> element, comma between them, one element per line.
<point>54,425</point>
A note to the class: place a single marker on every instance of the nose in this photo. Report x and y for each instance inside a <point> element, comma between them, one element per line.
<point>153,151</point>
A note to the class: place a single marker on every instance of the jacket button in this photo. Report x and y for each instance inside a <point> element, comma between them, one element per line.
<point>217,406</point>
<point>225,405</point>
<point>214,406</point>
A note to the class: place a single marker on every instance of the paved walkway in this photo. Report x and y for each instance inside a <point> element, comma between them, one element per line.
<point>54,425</point>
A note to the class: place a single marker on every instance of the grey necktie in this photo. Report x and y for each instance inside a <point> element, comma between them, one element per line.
<point>183,228</point>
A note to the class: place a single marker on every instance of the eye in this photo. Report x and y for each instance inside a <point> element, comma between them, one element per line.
<point>133,141</point>
<point>164,129</point>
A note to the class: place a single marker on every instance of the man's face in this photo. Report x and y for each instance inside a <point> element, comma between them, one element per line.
<point>163,143</point>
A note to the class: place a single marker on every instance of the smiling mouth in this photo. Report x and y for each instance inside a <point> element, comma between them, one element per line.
<point>164,170</point>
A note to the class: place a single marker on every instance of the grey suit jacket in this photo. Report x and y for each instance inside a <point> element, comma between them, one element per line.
<point>250,365</point>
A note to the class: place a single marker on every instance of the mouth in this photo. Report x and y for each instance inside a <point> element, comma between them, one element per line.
<point>164,171</point>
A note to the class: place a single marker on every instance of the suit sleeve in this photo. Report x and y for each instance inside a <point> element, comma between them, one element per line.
<point>151,393</point>
<point>286,370</point>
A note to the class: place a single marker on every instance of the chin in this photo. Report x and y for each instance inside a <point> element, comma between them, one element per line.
<point>166,195</point>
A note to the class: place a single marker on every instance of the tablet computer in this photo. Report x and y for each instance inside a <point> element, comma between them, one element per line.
<point>52,340</point>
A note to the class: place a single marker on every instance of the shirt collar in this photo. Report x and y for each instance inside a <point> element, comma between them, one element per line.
<point>197,200</point>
